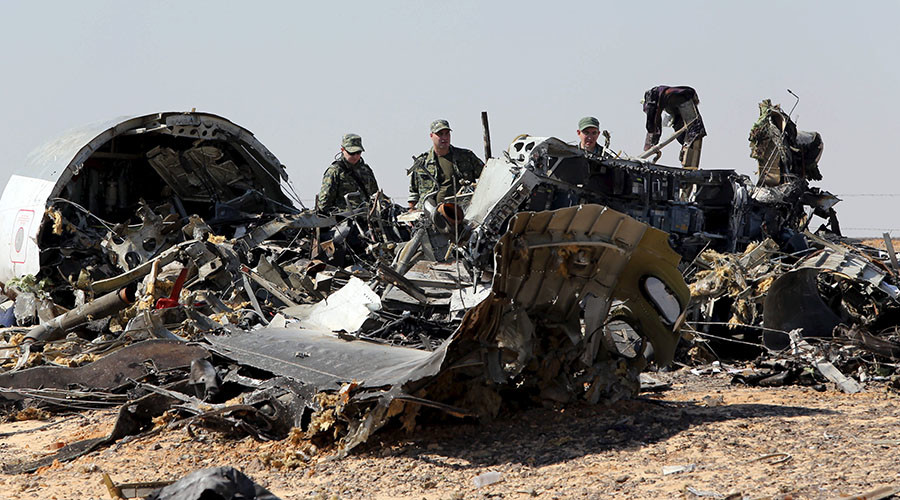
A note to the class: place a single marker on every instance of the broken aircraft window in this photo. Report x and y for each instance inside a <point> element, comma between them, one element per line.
<point>662,298</point>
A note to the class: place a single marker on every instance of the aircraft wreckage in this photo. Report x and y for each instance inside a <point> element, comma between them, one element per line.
<point>158,263</point>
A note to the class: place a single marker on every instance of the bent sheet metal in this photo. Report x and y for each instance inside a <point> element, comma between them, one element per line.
<point>526,334</point>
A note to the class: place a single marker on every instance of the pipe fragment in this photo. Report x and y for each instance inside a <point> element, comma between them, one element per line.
<point>99,308</point>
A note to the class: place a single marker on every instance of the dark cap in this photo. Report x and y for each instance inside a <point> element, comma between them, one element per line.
<point>438,125</point>
<point>352,143</point>
<point>587,122</point>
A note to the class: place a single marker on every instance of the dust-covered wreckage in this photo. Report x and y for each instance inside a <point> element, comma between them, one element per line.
<point>159,264</point>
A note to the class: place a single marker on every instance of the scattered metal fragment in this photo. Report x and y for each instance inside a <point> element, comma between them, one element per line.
<point>132,490</point>
<point>650,384</point>
<point>677,469</point>
<point>329,361</point>
<point>780,458</point>
<point>346,309</point>
<point>134,417</point>
<point>216,482</point>
<point>889,245</point>
<point>102,307</point>
<point>846,384</point>
<point>879,493</point>
<point>109,372</point>
<point>206,382</point>
<point>695,493</point>
<point>793,301</point>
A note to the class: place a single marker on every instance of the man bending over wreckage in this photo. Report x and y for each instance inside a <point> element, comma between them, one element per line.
<point>680,104</point>
<point>443,169</point>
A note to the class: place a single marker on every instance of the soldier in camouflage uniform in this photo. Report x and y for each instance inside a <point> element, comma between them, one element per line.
<point>588,133</point>
<point>442,169</point>
<point>348,174</point>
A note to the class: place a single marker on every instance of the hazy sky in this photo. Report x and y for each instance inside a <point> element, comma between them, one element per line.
<point>300,75</point>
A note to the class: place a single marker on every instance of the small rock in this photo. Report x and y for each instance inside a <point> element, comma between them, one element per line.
<point>487,478</point>
<point>713,401</point>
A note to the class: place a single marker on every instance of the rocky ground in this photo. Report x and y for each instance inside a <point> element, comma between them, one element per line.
<point>721,440</point>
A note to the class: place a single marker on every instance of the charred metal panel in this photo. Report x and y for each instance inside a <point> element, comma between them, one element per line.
<point>550,262</point>
<point>109,372</point>
<point>793,301</point>
<point>216,482</point>
<point>323,359</point>
<point>854,267</point>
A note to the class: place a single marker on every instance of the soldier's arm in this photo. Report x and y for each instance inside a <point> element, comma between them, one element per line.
<point>479,165</point>
<point>413,184</point>
<point>413,190</point>
<point>474,165</point>
<point>328,193</point>
<point>370,180</point>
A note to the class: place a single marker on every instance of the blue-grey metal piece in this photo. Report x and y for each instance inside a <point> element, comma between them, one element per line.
<point>324,360</point>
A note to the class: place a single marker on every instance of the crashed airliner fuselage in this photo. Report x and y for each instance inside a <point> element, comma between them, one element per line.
<point>198,163</point>
<point>512,293</point>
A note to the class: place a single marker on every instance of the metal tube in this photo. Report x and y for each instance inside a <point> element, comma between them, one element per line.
<point>654,149</point>
<point>889,245</point>
<point>487,135</point>
<point>407,256</point>
<point>99,308</point>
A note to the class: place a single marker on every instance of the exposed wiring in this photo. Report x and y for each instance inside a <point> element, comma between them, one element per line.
<point>293,194</point>
<point>105,224</point>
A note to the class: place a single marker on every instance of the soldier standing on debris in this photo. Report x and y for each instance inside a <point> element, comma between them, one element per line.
<point>348,182</point>
<point>588,133</point>
<point>442,169</point>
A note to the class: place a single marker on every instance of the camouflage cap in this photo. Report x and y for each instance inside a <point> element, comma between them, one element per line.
<point>352,143</point>
<point>438,125</point>
<point>588,121</point>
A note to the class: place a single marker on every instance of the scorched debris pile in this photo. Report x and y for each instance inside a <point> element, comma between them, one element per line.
<point>178,281</point>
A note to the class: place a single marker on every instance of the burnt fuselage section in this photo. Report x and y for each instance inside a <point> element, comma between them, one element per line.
<point>716,209</point>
